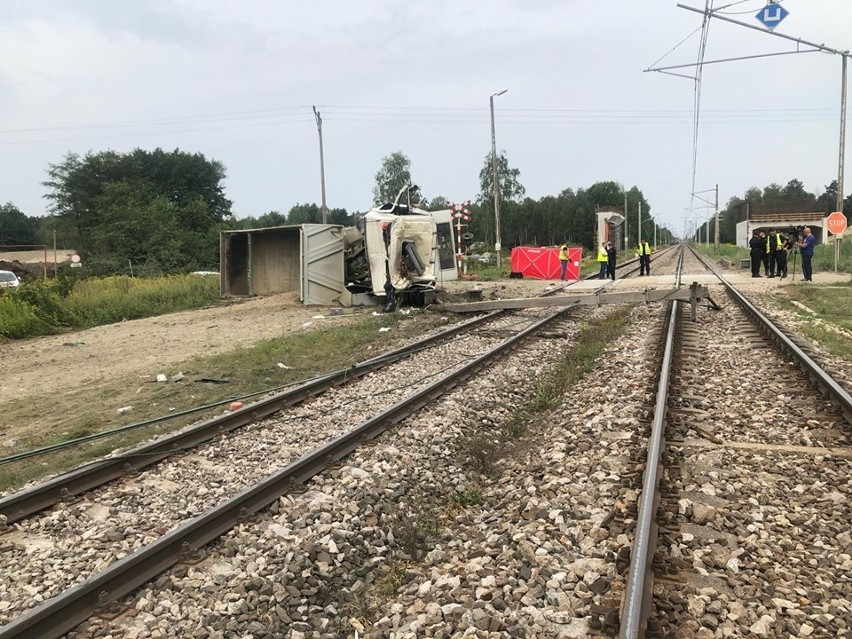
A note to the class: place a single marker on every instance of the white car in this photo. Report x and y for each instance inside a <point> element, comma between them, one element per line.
<point>8,279</point>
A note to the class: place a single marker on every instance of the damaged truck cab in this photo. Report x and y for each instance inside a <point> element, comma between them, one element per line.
<point>391,254</point>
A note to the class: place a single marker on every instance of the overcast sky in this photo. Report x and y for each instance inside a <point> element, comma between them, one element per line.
<point>236,81</point>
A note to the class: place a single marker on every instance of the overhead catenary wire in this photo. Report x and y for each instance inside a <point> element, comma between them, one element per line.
<point>702,48</point>
<point>739,13</point>
<point>301,114</point>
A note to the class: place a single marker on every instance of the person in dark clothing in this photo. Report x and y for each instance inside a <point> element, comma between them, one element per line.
<point>765,256</point>
<point>757,252</point>
<point>611,255</point>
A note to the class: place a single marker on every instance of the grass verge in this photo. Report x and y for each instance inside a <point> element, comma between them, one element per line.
<point>830,324</point>
<point>45,308</point>
<point>484,450</point>
<point>579,360</point>
<point>59,418</point>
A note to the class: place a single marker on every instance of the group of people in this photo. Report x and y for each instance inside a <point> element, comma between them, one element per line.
<point>607,256</point>
<point>770,251</point>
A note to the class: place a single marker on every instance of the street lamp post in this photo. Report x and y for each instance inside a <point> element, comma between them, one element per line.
<point>496,185</point>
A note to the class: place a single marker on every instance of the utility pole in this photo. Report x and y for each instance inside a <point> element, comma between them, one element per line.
<point>639,226</point>
<point>716,241</point>
<point>842,153</point>
<point>842,135</point>
<point>625,221</point>
<point>322,166</point>
<point>496,185</point>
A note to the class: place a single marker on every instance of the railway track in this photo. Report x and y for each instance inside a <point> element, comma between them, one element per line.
<point>40,551</point>
<point>546,557</point>
<point>743,527</point>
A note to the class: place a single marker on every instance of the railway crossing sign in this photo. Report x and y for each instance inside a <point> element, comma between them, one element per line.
<point>836,223</point>
<point>771,15</point>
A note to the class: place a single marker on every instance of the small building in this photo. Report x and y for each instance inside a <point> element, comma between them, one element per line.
<point>786,222</point>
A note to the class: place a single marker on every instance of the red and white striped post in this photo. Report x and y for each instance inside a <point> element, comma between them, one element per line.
<point>460,212</point>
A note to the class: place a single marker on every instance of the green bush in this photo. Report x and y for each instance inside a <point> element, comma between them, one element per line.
<point>823,261</point>
<point>18,319</point>
<point>117,298</point>
<point>47,303</point>
<point>39,308</point>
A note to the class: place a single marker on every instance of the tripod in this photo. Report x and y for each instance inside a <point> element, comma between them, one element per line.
<point>795,252</point>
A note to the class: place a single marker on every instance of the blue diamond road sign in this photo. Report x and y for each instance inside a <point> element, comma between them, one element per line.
<point>771,15</point>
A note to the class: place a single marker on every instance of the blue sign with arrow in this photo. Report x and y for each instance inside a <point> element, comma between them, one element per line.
<point>771,15</point>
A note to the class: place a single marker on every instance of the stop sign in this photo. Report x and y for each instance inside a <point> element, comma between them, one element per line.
<point>836,223</point>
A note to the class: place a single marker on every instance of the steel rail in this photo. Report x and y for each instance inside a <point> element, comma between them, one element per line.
<point>632,263</point>
<point>814,371</point>
<point>640,577</point>
<point>68,485</point>
<point>78,481</point>
<point>64,612</point>
<point>636,606</point>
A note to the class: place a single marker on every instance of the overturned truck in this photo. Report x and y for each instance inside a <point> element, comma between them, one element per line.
<point>389,257</point>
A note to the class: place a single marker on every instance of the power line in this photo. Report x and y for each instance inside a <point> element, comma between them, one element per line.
<point>425,116</point>
<point>296,113</point>
<point>702,48</point>
<point>145,133</point>
<point>272,112</point>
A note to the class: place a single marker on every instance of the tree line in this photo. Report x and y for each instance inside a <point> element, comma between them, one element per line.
<point>162,211</point>
<point>774,198</point>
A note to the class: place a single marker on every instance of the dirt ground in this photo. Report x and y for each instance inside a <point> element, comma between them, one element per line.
<point>145,347</point>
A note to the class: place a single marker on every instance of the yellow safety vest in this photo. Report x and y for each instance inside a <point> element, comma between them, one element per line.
<point>778,243</point>
<point>644,249</point>
<point>563,253</point>
<point>602,256</point>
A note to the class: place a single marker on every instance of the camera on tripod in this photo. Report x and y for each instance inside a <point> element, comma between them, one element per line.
<point>796,234</point>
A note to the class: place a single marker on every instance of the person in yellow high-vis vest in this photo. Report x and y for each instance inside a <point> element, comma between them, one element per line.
<point>602,261</point>
<point>774,245</point>
<point>563,260</point>
<point>644,258</point>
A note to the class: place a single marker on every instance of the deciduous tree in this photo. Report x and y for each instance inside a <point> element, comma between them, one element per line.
<point>511,189</point>
<point>394,174</point>
<point>107,197</point>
